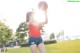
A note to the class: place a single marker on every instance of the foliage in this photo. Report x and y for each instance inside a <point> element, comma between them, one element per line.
<point>42,30</point>
<point>21,32</point>
<point>5,33</point>
<point>50,41</point>
<point>61,33</point>
<point>52,36</point>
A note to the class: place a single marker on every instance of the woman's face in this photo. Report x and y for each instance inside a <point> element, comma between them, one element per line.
<point>31,17</point>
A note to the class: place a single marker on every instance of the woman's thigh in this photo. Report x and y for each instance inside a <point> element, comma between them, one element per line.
<point>33,48</point>
<point>41,48</point>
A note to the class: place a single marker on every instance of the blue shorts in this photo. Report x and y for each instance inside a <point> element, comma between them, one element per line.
<point>35,40</point>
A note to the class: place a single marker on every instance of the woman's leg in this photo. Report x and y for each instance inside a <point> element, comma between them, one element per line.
<point>41,48</point>
<point>33,48</point>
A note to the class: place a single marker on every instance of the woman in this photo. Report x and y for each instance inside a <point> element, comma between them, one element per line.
<point>35,40</point>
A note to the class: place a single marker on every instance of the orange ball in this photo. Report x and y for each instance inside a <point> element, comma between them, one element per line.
<point>43,5</point>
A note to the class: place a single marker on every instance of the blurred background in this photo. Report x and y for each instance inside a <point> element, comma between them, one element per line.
<point>63,19</point>
<point>62,15</point>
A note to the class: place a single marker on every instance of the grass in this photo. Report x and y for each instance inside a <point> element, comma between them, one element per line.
<point>72,46</point>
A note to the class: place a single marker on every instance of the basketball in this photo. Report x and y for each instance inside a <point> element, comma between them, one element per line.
<point>43,5</point>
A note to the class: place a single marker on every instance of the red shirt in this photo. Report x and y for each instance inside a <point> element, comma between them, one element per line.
<point>34,30</point>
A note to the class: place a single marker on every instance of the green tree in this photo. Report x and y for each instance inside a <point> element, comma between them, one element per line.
<point>52,36</point>
<point>5,33</point>
<point>61,33</point>
<point>21,32</point>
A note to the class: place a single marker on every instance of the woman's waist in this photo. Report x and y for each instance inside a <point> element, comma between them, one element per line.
<point>35,35</point>
<point>31,37</point>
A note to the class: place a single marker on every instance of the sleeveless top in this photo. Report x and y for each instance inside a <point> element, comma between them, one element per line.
<point>34,30</point>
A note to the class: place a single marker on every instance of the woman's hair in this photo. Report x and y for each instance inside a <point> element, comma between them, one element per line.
<point>28,16</point>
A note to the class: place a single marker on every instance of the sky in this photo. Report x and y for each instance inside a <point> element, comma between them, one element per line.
<point>62,15</point>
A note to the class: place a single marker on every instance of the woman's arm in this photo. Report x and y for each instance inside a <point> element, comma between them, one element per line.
<point>46,18</point>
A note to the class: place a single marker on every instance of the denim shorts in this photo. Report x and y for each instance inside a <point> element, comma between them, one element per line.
<point>35,40</point>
